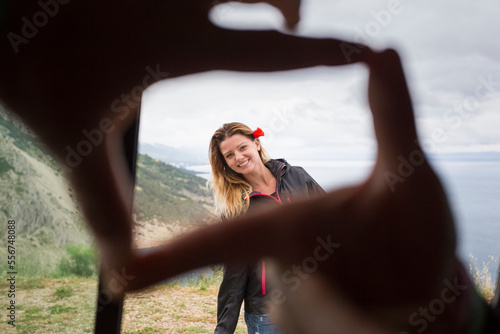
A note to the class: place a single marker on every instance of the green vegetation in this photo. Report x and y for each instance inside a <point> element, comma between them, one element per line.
<point>37,261</point>
<point>169,193</point>
<point>56,281</point>
<point>80,261</point>
<point>34,313</point>
<point>202,281</point>
<point>52,305</point>
<point>5,166</point>
<point>14,129</point>
<point>32,282</point>
<point>36,196</point>
<point>59,309</point>
<point>63,292</point>
<point>67,305</point>
<point>172,308</point>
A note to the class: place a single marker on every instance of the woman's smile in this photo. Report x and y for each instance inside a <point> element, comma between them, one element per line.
<point>244,164</point>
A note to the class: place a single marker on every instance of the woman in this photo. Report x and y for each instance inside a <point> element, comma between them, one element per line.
<point>245,178</point>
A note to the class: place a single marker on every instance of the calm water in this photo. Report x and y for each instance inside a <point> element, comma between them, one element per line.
<point>473,189</point>
<point>474,193</point>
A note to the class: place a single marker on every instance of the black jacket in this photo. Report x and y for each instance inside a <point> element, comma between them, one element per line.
<point>248,282</point>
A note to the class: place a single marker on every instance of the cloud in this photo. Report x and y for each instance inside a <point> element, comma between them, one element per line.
<point>447,47</point>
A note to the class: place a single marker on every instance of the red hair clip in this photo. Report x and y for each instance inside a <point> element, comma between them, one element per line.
<point>258,133</point>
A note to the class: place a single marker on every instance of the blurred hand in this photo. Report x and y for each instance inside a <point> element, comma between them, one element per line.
<point>360,258</point>
<point>85,71</point>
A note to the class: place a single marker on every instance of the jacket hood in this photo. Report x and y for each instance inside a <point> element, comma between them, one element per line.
<point>276,166</point>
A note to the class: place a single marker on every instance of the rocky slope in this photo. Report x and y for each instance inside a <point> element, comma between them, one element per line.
<point>35,193</point>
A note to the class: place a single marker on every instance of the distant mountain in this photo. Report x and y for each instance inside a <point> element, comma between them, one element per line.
<point>174,156</point>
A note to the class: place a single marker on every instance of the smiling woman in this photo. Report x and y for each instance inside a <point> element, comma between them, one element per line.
<point>234,154</point>
<point>246,179</point>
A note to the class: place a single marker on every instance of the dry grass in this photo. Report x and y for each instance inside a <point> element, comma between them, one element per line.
<point>482,277</point>
<point>67,305</point>
<point>45,305</point>
<point>172,309</point>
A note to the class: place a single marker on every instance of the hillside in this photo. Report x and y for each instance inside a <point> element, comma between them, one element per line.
<point>169,193</point>
<point>35,193</point>
<point>168,202</point>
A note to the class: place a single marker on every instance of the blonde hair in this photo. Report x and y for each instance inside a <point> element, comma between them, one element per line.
<point>230,189</point>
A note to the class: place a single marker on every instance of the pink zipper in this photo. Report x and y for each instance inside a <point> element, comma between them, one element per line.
<point>263,277</point>
<point>280,202</point>
<point>259,194</point>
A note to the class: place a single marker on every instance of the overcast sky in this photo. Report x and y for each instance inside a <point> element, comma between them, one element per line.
<point>451,56</point>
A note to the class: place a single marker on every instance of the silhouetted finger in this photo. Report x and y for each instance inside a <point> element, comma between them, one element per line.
<point>391,105</point>
<point>274,51</point>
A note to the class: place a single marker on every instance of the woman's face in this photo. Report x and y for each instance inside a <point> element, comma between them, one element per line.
<point>241,153</point>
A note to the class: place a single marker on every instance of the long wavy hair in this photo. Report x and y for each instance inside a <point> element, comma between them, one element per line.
<point>230,189</point>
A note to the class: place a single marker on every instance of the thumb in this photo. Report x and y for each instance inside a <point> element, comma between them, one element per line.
<point>290,10</point>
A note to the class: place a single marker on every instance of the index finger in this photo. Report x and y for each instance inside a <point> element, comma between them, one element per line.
<point>391,105</point>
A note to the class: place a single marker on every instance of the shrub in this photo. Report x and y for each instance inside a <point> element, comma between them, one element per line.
<point>59,309</point>
<point>80,261</point>
<point>63,292</point>
<point>482,277</point>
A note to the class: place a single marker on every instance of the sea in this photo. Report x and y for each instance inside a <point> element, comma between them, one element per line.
<point>473,189</point>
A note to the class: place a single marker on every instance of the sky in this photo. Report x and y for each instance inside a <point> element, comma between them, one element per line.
<point>450,54</point>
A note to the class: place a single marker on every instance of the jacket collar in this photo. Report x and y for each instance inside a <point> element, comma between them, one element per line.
<point>278,167</point>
